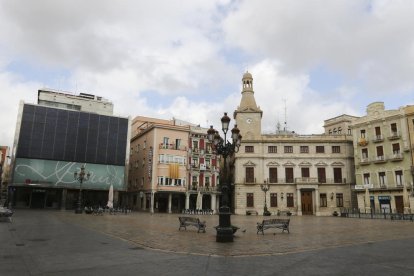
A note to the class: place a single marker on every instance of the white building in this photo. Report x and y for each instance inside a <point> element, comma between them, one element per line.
<point>306,174</point>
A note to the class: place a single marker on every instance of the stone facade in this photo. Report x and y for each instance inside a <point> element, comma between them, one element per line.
<point>383,158</point>
<point>172,167</point>
<point>305,174</point>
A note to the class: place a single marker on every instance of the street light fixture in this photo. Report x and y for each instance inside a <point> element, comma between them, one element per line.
<point>265,188</point>
<point>225,148</point>
<point>81,177</point>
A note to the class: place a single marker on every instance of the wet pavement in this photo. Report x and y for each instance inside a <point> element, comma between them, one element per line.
<point>160,231</point>
<point>63,243</point>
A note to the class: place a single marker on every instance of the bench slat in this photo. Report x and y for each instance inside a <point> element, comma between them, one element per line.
<point>191,221</point>
<point>273,223</point>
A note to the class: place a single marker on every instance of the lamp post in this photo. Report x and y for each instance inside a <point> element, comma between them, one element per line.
<point>265,188</point>
<point>225,149</point>
<point>81,176</point>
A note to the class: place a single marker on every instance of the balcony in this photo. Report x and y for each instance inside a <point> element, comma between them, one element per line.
<point>364,186</point>
<point>380,159</point>
<point>289,180</point>
<point>172,147</point>
<point>378,139</point>
<point>249,180</point>
<point>394,135</point>
<point>364,161</point>
<point>306,180</point>
<point>396,156</point>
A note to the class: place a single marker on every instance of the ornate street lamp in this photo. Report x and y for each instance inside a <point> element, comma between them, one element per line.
<point>81,177</point>
<point>225,148</point>
<point>265,188</point>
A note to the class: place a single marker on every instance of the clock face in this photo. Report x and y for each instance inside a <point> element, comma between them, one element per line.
<point>249,120</point>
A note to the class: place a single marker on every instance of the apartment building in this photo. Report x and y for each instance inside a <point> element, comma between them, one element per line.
<point>172,167</point>
<point>383,158</point>
<point>305,174</point>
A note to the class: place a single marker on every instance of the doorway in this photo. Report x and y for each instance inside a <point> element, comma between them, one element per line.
<point>307,204</point>
<point>399,204</point>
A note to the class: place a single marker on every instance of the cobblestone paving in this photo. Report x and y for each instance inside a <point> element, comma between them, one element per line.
<point>160,232</point>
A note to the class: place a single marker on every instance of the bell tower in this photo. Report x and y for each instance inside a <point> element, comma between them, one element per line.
<point>248,115</point>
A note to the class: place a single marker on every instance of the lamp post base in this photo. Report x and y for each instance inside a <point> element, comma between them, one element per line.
<point>224,229</point>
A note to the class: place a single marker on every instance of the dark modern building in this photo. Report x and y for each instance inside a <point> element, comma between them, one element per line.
<point>51,144</point>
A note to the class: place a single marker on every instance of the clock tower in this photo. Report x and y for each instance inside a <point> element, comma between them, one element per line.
<point>248,115</point>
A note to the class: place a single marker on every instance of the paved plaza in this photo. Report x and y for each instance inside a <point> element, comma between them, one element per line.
<point>63,243</point>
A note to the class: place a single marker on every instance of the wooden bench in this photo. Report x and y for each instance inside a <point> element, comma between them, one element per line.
<point>190,221</point>
<point>251,212</point>
<point>273,223</point>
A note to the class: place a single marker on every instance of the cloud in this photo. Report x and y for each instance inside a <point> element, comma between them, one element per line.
<point>13,89</point>
<point>371,41</point>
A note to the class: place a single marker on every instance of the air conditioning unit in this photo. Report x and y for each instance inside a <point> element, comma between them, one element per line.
<point>202,167</point>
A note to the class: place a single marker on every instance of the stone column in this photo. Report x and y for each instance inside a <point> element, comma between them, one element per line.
<point>169,203</point>
<point>152,203</point>
<point>317,202</point>
<point>187,200</point>
<point>63,201</point>
<point>299,202</point>
<point>214,203</point>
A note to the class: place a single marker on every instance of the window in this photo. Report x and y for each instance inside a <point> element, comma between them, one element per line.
<point>289,200</point>
<point>394,129</point>
<point>288,149</point>
<point>177,144</point>
<point>289,175</point>
<point>396,149</point>
<point>364,153</point>
<point>305,172</point>
<point>321,175</point>
<point>248,149</point>
<point>272,149</point>
<point>380,153</point>
<point>336,149</point>
<point>249,200</point>
<point>323,200</point>
<point>194,180</point>
<point>272,175</point>
<point>330,132</point>
<point>339,200</point>
<point>273,199</point>
<point>250,175</point>
<point>382,179</point>
<point>208,163</point>
<point>366,178</point>
<point>207,181</point>
<point>320,149</point>
<point>195,146</point>
<point>378,132</point>
<point>194,162</point>
<point>349,131</point>
<point>337,175</point>
<point>208,148</point>
<point>339,130</point>
<point>304,149</point>
<point>334,131</point>
<point>399,178</point>
<point>165,141</point>
<point>363,134</point>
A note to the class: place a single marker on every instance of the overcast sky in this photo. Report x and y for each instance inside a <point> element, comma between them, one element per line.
<point>185,59</point>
